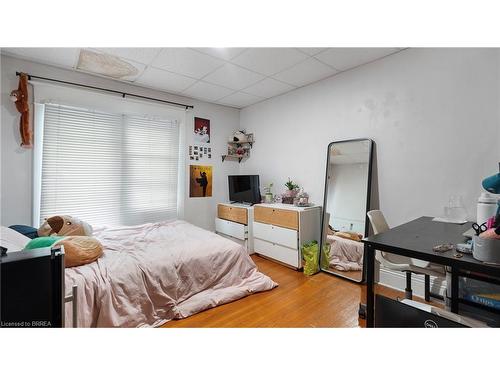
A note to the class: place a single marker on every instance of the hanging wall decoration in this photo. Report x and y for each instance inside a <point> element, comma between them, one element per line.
<point>201,130</point>
<point>20,98</point>
<point>200,181</point>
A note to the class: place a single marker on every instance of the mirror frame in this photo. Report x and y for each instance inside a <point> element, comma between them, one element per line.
<point>368,196</point>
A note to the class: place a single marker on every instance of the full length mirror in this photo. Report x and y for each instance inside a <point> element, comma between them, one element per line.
<point>347,199</point>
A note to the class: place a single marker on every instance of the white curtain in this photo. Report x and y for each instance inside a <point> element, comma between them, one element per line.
<point>108,168</point>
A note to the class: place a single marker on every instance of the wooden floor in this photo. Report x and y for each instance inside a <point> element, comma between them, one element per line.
<point>321,300</point>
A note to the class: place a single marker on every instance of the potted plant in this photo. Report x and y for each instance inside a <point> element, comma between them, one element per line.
<point>290,192</point>
<point>268,195</point>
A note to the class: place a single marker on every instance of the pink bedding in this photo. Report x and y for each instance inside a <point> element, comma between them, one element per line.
<point>345,254</point>
<point>152,273</point>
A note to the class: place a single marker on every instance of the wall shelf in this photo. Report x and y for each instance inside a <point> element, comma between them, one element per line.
<point>233,157</point>
<point>237,146</point>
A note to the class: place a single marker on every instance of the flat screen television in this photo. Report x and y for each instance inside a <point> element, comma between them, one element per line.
<point>244,189</point>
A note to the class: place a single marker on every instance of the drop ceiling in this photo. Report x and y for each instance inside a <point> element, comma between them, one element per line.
<point>235,77</point>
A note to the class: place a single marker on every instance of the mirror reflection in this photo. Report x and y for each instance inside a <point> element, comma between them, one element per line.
<point>345,207</point>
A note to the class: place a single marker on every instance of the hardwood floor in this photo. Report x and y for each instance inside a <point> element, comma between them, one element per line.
<point>320,300</point>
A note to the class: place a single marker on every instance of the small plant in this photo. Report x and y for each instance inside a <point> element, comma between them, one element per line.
<point>291,185</point>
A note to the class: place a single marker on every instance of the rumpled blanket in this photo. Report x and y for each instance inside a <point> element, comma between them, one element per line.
<point>345,254</point>
<point>152,273</point>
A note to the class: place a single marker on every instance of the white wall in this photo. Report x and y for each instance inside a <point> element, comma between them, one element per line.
<point>16,163</point>
<point>433,114</point>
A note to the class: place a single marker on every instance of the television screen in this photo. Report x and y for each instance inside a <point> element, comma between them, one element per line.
<point>244,189</point>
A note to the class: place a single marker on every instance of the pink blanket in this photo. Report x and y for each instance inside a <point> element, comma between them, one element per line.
<point>152,273</point>
<point>345,254</point>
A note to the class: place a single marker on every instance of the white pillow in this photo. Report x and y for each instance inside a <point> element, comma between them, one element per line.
<point>12,240</point>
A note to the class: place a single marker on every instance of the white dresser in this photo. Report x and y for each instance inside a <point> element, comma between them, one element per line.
<point>280,230</point>
<point>235,222</point>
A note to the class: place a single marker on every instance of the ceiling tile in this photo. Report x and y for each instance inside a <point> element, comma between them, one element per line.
<point>268,88</point>
<point>207,91</point>
<point>306,72</point>
<point>222,53</point>
<point>233,76</point>
<point>269,61</point>
<point>346,58</point>
<point>66,57</point>
<point>312,51</point>
<point>142,55</point>
<point>163,80</point>
<point>240,99</point>
<point>186,61</point>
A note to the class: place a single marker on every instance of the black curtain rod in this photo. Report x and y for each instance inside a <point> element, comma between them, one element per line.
<point>123,94</point>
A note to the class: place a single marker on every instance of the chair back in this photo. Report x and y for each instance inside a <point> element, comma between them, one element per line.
<point>378,222</point>
<point>379,225</point>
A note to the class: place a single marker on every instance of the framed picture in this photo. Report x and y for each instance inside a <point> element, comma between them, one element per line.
<point>200,181</point>
<point>201,130</point>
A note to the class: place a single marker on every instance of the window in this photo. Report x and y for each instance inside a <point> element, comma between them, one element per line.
<point>108,169</point>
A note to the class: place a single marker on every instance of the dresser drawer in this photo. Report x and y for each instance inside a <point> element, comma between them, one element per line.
<point>236,214</point>
<point>276,216</point>
<point>279,235</point>
<point>231,228</point>
<point>274,251</point>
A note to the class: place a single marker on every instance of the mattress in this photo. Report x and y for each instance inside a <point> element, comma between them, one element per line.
<point>153,273</point>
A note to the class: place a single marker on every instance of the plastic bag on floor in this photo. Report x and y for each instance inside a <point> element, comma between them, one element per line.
<point>310,254</point>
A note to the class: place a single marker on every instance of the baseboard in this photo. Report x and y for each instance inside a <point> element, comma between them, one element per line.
<point>397,280</point>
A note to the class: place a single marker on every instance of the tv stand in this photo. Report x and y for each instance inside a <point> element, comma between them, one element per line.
<point>235,221</point>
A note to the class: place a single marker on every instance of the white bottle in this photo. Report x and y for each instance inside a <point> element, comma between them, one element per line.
<point>486,207</point>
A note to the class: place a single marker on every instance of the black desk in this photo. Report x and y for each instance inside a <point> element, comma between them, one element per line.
<point>416,240</point>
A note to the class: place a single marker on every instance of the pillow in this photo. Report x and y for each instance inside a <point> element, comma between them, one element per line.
<point>26,230</point>
<point>12,240</point>
<point>64,225</point>
<point>39,242</point>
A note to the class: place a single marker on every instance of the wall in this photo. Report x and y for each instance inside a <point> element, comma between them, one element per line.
<point>433,114</point>
<point>16,163</point>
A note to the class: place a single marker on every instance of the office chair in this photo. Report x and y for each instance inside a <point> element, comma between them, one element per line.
<point>404,264</point>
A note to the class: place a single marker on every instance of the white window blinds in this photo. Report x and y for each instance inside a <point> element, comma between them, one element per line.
<point>108,169</point>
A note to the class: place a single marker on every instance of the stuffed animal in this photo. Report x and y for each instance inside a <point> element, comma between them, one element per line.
<point>78,250</point>
<point>64,225</point>
<point>239,136</point>
<point>20,98</point>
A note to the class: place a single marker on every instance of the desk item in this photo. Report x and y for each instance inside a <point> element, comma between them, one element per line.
<point>486,207</point>
<point>416,240</point>
<point>486,250</point>
<point>346,202</point>
<point>479,228</point>
<point>448,220</point>
<point>465,248</point>
<point>443,248</point>
<point>492,183</point>
<point>455,212</point>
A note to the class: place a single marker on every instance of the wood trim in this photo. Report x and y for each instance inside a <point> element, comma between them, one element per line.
<point>236,214</point>
<point>276,216</point>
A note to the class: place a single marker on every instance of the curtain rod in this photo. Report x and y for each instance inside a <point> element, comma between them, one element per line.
<point>123,94</point>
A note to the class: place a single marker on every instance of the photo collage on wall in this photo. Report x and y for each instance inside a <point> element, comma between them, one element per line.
<point>200,176</point>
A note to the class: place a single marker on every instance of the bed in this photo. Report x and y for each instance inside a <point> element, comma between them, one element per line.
<point>153,273</point>
<point>345,254</point>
